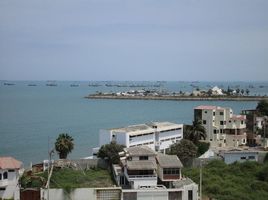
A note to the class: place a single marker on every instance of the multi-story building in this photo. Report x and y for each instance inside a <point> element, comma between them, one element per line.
<point>9,177</point>
<point>156,135</point>
<point>145,174</point>
<point>222,126</point>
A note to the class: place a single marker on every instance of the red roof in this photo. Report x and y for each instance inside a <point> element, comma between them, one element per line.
<point>208,108</point>
<point>9,163</point>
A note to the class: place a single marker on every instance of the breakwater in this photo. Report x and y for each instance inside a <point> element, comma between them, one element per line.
<point>179,98</point>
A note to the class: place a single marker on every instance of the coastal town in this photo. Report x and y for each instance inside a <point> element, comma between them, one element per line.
<point>154,160</point>
<point>213,94</point>
<point>133,100</point>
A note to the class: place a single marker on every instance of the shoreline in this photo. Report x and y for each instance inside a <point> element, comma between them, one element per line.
<point>177,98</point>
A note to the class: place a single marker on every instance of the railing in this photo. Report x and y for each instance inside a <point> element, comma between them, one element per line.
<point>4,183</point>
<point>142,176</point>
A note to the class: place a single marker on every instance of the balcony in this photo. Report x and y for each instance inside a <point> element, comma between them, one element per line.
<point>153,176</point>
<point>4,183</point>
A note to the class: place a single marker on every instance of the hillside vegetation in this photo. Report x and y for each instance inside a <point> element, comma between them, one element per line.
<point>245,181</point>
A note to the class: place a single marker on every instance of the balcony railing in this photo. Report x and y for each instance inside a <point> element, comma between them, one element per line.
<point>142,176</point>
<point>4,183</point>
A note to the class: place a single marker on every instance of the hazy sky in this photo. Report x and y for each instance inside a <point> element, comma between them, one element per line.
<point>134,40</point>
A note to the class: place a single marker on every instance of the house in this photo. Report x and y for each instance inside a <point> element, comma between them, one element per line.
<point>146,174</point>
<point>237,155</point>
<point>156,135</point>
<point>216,91</point>
<point>9,177</point>
<point>223,127</point>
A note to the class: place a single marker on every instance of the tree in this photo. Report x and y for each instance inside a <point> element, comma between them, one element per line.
<point>247,91</point>
<point>195,132</point>
<point>64,145</point>
<point>237,91</point>
<point>262,107</point>
<point>185,150</point>
<point>242,91</point>
<point>110,151</point>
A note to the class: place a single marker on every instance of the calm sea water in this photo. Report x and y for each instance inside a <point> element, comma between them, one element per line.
<point>32,117</point>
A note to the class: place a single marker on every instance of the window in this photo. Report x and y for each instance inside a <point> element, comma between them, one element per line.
<point>5,175</point>
<point>11,170</point>
<point>243,158</point>
<point>215,131</point>
<point>251,157</point>
<point>242,122</point>
<point>204,122</point>
<point>221,122</point>
<point>143,158</point>
<point>171,171</point>
<point>230,121</point>
<point>220,130</point>
<point>2,189</point>
<point>206,111</point>
<point>190,194</point>
<point>0,176</point>
<point>221,113</point>
<point>213,113</point>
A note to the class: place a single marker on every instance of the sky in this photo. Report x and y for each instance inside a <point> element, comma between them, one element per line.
<point>173,40</point>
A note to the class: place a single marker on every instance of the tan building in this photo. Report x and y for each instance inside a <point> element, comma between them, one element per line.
<point>223,127</point>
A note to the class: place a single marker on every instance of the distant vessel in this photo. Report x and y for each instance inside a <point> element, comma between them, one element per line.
<point>9,84</point>
<point>31,84</point>
<point>52,84</point>
<point>74,85</point>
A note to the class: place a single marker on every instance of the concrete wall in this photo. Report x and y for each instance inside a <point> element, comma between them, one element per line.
<point>122,138</point>
<point>104,137</point>
<point>75,194</point>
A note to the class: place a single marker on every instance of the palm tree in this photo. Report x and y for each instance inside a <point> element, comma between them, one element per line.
<point>195,132</point>
<point>64,145</point>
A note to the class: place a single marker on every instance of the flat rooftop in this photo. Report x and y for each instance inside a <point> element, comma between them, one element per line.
<point>208,107</point>
<point>147,128</point>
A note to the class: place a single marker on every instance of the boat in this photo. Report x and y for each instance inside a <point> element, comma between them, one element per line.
<point>52,84</point>
<point>74,85</point>
<point>31,84</point>
<point>9,84</point>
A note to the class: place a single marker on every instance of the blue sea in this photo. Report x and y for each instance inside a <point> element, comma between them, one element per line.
<point>31,117</point>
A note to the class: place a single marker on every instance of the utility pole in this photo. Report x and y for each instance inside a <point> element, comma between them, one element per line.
<point>200,184</point>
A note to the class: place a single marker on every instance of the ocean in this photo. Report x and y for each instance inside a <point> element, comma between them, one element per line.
<point>31,117</point>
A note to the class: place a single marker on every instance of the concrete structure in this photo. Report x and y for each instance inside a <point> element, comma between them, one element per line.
<point>114,193</point>
<point>239,156</point>
<point>222,126</point>
<point>9,177</point>
<point>144,174</point>
<point>156,135</point>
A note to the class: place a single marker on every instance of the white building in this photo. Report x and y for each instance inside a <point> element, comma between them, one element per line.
<point>156,135</point>
<point>216,91</point>
<point>237,155</point>
<point>9,177</point>
<point>222,126</point>
<point>144,174</point>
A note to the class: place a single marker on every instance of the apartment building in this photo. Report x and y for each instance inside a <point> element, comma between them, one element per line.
<point>156,135</point>
<point>223,127</point>
<point>146,174</point>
